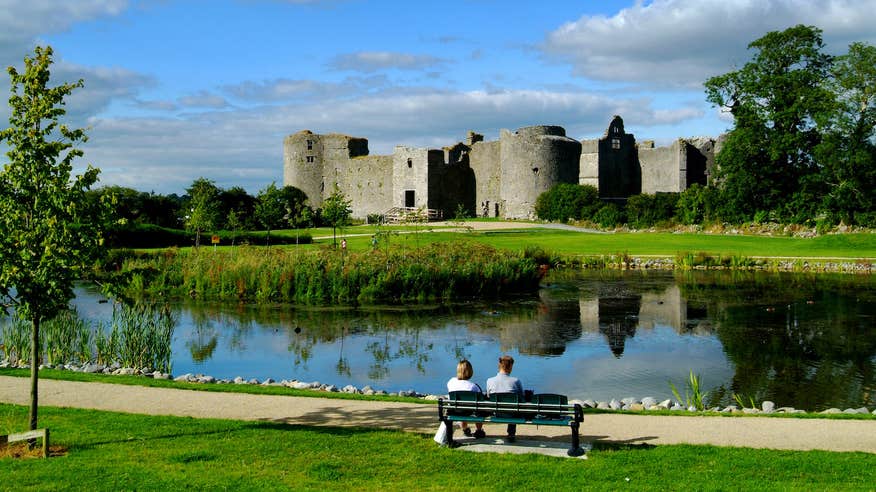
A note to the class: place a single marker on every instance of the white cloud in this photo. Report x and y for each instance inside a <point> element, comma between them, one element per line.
<point>203,99</point>
<point>372,61</point>
<point>291,89</point>
<point>21,22</point>
<point>683,42</point>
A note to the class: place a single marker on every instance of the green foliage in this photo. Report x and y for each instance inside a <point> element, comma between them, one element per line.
<point>336,212</point>
<point>202,208</point>
<point>279,207</point>
<point>777,101</point>
<point>152,236</point>
<point>609,215</point>
<point>50,231</point>
<point>848,151</point>
<point>438,271</point>
<point>694,396</point>
<point>696,205</point>
<point>139,336</point>
<point>566,202</point>
<point>649,210</point>
<point>802,145</point>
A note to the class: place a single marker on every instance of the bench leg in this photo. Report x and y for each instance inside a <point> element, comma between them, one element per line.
<point>448,436</point>
<point>575,449</point>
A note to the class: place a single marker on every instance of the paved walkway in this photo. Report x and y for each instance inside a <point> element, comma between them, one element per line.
<point>773,433</point>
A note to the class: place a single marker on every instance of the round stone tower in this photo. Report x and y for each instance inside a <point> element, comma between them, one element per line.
<point>533,159</point>
<point>303,164</point>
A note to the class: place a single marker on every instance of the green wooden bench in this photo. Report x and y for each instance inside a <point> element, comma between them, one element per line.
<point>509,408</point>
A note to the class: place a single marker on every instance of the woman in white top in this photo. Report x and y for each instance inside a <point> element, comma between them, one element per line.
<point>462,382</point>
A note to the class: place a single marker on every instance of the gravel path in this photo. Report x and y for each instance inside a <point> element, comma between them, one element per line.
<point>754,432</point>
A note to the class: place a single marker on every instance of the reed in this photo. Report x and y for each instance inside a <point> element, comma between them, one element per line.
<point>445,271</point>
<point>66,339</point>
<point>694,396</point>
<point>139,336</point>
<point>15,338</point>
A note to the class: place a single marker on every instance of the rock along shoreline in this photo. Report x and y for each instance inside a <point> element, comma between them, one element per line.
<point>631,404</point>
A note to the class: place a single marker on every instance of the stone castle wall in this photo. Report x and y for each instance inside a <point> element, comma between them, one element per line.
<point>501,178</point>
<point>484,161</point>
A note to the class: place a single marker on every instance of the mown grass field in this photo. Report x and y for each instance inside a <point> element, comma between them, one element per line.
<point>852,246</point>
<point>111,451</point>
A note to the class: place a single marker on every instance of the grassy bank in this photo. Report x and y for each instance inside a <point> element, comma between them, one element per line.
<point>396,274</point>
<point>665,244</point>
<point>110,451</point>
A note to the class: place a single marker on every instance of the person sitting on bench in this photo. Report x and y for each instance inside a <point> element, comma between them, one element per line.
<point>503,382</point>
<point>462,382</point>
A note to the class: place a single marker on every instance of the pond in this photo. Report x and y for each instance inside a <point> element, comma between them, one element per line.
<point>799,340</point>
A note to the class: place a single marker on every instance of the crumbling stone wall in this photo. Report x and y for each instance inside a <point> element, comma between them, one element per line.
<point>502,178</point>
<point>620,175</point>
<point>589,164</point>
<point>484,161</point>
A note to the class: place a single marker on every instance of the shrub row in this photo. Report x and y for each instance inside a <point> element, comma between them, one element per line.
<point>153,236</point>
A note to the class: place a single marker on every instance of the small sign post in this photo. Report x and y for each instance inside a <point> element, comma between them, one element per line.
<point>215,241</point>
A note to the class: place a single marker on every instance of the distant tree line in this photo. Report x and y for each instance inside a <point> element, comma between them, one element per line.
<point>802,148</point>
<point>149,219</point>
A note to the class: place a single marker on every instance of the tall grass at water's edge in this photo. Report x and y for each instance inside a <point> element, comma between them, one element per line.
<point>138,336</point>
<point>446,271</point>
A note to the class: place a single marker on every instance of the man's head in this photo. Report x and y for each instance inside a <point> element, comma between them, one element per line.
<point>506,363</point>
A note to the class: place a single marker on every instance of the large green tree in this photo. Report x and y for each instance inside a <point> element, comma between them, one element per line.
<point>848,153</point>
<point>779,101</point>
<point>50,231</point>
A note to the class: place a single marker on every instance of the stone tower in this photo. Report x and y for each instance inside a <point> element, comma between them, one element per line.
<point>533,160</point>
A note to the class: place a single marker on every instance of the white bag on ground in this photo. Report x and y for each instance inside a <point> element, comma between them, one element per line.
<point>441,433</point>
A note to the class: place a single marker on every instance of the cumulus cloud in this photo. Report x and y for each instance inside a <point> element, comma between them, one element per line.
<point>291,89</point>
<point>683,42</point>
<point>22,22</point>
<point>372,61</point>
<point>203,99</point>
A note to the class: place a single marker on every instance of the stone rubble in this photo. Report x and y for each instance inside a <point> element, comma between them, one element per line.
<point>626,404</point>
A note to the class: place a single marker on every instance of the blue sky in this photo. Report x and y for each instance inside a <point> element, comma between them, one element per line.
<point>181,89</point>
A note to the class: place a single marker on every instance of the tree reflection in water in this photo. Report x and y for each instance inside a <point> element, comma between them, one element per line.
<point>802,340</point>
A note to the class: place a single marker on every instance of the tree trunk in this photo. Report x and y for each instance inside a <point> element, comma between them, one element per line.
<point>34,371</point>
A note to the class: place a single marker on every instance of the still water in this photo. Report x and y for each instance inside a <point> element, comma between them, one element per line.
<point>799,340</point>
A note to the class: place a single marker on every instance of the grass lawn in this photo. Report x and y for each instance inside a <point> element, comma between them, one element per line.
<point>111,451</point>
<point>666,244</point>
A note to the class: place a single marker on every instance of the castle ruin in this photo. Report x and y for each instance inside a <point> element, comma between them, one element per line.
<point>502,178</point>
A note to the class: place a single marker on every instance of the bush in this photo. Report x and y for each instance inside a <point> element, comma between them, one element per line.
<point>609,215</point>
<point>648,210</point>
<point>696,205</point>
<point>566,202</point>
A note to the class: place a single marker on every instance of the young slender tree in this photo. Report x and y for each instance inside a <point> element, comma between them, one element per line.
<point>50,231</point>
<point>203,208</point>
<point>336,212</point>
<point>270,208</point>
